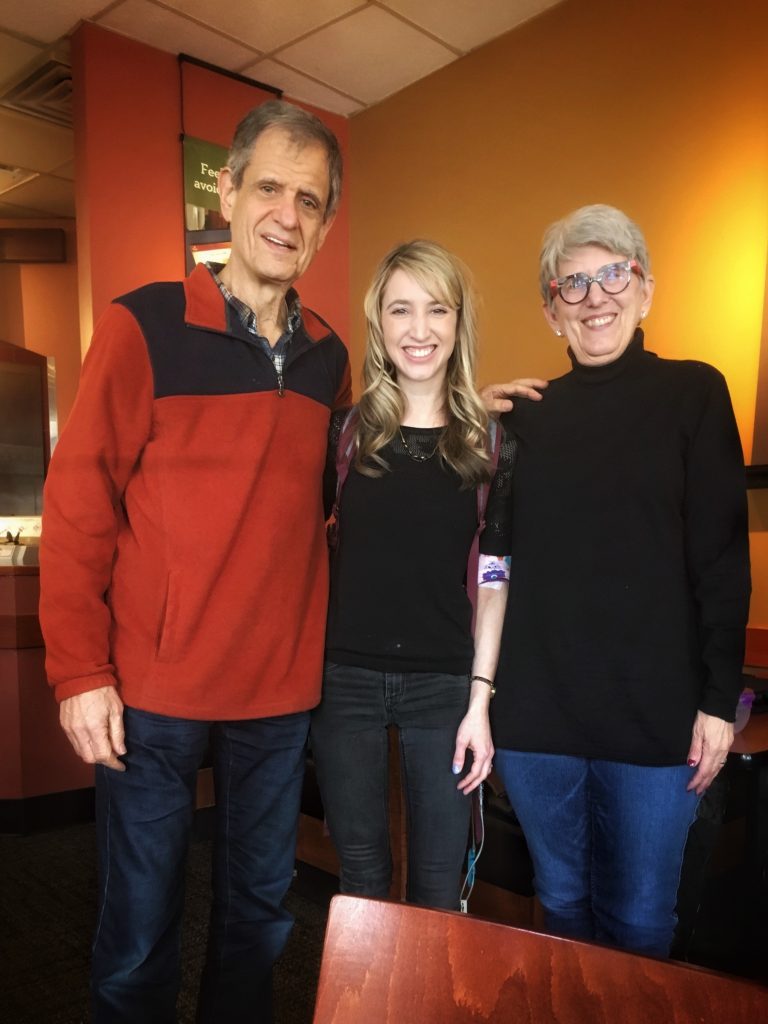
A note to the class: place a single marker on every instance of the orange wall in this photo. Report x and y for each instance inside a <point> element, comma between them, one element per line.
<point>38,310</point>
<point>11,306</point>
<point>127,167</point>
<point>657,108</point>
<point>51,320</point>
<point>130,220</point>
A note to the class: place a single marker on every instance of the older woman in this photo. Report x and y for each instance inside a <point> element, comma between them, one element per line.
<point>623,644</point>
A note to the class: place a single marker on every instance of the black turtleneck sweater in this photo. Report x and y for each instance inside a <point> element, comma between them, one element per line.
<point>630,566</point>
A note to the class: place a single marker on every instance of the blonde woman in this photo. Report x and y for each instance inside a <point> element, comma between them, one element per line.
<point>399,647</point>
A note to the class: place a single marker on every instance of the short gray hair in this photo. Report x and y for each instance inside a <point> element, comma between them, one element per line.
<point>300,126</point>
<point>590,225</point>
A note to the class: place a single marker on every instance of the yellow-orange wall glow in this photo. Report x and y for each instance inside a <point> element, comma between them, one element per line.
<point>660,109</point>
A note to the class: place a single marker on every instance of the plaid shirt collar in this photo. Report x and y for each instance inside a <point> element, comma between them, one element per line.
<point>249,320</point>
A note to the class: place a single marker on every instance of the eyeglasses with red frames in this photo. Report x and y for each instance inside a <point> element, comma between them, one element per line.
<point>613,278</point>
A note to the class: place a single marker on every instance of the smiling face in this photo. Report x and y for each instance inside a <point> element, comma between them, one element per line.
<point>419,331</point>
<point>599,328</point>
<point>277,216</point>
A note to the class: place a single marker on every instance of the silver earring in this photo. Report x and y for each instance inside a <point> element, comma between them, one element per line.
<point>559,334</point>
<point>644,314</point>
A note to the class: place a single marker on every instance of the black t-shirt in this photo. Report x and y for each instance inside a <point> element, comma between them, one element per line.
<point>398,575</point>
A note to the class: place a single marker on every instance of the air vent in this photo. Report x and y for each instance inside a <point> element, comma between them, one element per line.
<point>46,92</point>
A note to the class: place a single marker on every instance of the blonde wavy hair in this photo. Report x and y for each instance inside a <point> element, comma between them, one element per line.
<point>463,444</point>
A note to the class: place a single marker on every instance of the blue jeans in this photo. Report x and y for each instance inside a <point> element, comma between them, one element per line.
<point>144,818</point>
<point>350,748</point>
<point>607,842</point>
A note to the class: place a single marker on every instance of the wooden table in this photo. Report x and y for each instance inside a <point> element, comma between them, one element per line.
<point>390,963</point>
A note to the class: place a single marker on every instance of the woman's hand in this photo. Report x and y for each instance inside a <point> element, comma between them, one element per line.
<point>474,734</point>
<point>497,398</point>
<point>710,743</point>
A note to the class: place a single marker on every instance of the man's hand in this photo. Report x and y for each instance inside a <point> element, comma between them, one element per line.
<point>93,723</point>
<point>497,396</point>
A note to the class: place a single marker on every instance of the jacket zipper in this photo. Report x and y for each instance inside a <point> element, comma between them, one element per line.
<point>291,357</point>
<point>278,373</point>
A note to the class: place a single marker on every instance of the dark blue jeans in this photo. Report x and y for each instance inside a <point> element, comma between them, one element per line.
<point>607,842</point>
<point>350,748</point>
<point>144,818</point>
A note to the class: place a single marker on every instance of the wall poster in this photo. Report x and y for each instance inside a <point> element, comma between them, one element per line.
<point>206,233</point>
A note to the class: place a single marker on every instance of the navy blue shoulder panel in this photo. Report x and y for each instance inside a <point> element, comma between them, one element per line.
<point>190,360</point>
<point>316,368</point>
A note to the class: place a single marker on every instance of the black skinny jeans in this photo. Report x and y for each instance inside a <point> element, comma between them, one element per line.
<point>349,743</point>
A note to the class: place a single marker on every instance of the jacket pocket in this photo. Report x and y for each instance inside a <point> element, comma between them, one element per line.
<point>167,634</point>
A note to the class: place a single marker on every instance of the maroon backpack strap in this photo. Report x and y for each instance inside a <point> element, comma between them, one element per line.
<point>483,490</point>
<point>345,453</point>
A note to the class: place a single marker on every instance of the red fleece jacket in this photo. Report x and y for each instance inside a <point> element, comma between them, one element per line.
<point>183,555</point>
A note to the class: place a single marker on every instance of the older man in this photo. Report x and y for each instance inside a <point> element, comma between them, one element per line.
<point>183,572</point>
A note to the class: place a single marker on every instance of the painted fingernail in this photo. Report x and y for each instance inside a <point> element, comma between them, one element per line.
<point>456,769</point>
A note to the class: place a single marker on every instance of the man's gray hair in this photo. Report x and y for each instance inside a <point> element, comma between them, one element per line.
<point>590,225</point>
<point>301,127</point>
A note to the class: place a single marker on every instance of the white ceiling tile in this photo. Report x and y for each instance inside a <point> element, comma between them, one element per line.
<point>14,57</point>
<point>298,87</point>
<point>467,25</point>
<point>33,143</point>
<point>339,55</point>
<point>168,31</point>
<point>368,55</point>
<point>265,24</point>
<point>55,196</point>
<point>66,170</point>
<point>47,20</point>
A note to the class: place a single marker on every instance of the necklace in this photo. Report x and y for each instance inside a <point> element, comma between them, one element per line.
<point>415,455</point>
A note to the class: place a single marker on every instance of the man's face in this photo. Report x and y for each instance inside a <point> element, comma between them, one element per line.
<point>277,216</point>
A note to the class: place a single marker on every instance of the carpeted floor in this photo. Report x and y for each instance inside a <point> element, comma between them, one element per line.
<point>47,911</point>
